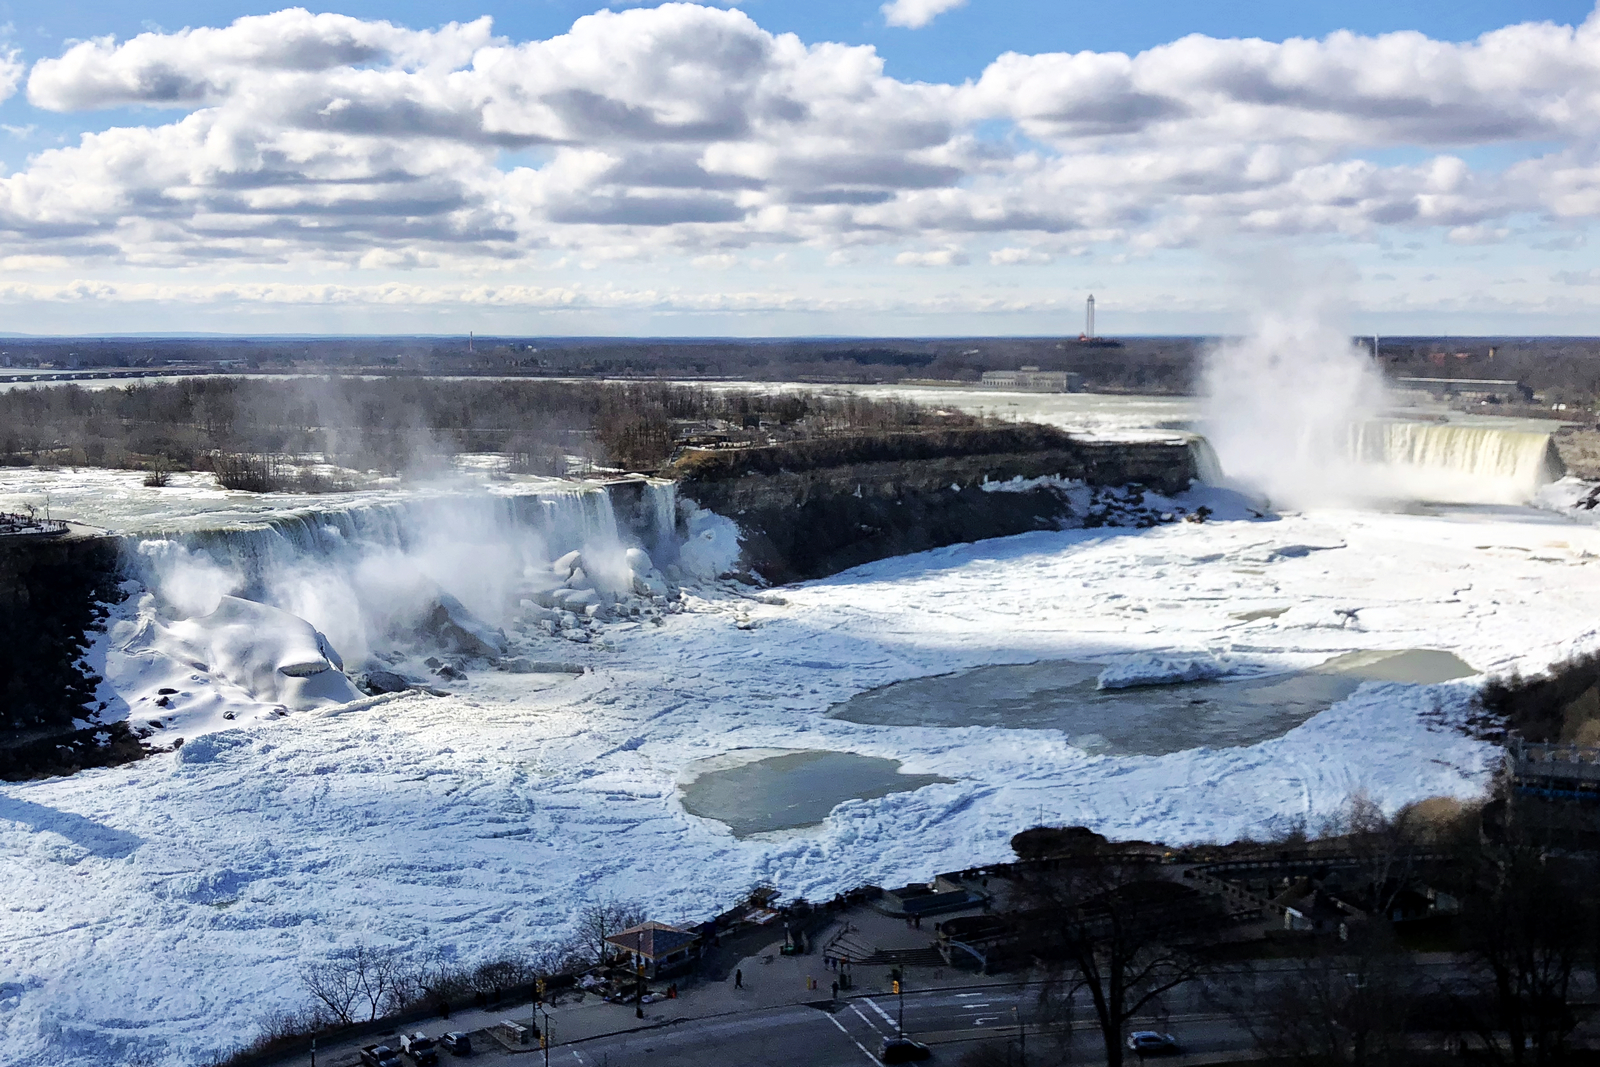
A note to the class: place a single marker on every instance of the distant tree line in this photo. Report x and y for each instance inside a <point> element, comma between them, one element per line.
<point>236,426</point>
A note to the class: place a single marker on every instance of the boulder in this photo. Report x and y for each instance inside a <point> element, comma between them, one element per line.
<point>461,631</point>
<point>386,682</point>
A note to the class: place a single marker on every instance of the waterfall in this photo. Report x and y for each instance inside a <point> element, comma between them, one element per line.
<point>1374,460</point>
<point>358,573</point>
<point>661,499</point>
<point>1438,461</point>
<point>1207,468</point>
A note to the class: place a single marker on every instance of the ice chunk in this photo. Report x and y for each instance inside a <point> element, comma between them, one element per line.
<point>649,585</point>
<point>639,561</point>
<point>1150,668</point>
<point>577,600</point>
<point>568,563</point>
<point>712,548</point>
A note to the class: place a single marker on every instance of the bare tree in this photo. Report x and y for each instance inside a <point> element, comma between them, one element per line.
<point>603,918</point>
<point>1346,1005</point>
<point>333,983</point>
<point>357,979</point>
<point>1105,924</point>
<point>1529,915</point>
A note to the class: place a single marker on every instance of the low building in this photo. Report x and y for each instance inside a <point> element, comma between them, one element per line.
<point>1034,380</point>
<point>661,948</point>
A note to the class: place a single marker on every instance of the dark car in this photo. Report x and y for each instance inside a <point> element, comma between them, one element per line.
<point>456,1043</point>
<point>903,1050</point>
<point>1149,1043</point>
<point>419,1047</point>
<point>380,1056</point>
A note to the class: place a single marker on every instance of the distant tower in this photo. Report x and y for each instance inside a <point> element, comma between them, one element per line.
<point>1088,327</point>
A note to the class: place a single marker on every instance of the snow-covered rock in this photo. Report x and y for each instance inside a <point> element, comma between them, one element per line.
<point>274,656</point>
<point>461,631</point>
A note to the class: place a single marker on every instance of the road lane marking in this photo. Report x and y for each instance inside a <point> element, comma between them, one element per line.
<point>984,1019</point>
<point>881,1012</point>
<point>962,996</point>
<point>853,1041</point>
<point>872,1025</point>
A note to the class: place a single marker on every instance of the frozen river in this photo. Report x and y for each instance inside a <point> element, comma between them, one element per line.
<point>881,725</point>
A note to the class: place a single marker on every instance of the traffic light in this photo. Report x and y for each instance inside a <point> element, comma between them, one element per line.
<point>897,985</point>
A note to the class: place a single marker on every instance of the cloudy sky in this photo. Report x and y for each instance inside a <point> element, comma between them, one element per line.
<point>787,167</point>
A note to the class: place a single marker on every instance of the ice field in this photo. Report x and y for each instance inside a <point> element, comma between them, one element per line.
<point>167,904</point>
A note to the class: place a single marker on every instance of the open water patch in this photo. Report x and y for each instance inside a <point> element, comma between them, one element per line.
<point>789,790</point>
<point>1149,720</point>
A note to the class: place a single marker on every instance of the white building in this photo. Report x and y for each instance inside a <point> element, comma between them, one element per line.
<point>1034,380</point>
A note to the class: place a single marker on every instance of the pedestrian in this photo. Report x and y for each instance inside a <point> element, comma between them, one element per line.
<point>919,922</point>
<point>738,978</point>
<point>835,990</point>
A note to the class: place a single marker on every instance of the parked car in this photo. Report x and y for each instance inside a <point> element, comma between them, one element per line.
<point>380,1056</point>
<point>456,1043</point>
<point>1149,1043</point>
<point>419,1047</point>
<point>903,1050</point>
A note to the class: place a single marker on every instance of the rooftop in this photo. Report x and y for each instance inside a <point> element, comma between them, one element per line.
<point>651,940</point>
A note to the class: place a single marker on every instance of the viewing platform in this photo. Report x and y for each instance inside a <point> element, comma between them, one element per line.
<point>1555,770</point>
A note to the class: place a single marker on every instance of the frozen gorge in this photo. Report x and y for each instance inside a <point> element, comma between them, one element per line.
<point>301,815</point>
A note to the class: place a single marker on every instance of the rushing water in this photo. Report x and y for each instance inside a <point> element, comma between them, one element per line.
<point>1144,720</point>
<point>792,789</point>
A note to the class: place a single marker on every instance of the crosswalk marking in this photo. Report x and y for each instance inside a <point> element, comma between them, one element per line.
<point>853,1041</point>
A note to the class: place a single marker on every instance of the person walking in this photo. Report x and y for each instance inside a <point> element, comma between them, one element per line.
<point>738,978</point>
<point>835,990</point>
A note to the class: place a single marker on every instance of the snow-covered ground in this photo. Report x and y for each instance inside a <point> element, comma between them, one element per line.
<point>166,904</point>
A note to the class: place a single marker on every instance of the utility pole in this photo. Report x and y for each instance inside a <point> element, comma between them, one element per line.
<point>900,988</point>
<point>313,1052</point>
<point>545,1040</point>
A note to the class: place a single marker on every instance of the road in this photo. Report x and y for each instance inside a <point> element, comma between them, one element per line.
<point>848,1032</point>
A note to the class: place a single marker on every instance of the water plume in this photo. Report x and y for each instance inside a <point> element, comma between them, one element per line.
<point>1280,402</point>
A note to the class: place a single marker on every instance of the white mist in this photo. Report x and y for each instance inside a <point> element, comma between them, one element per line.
<point>1280,404</point>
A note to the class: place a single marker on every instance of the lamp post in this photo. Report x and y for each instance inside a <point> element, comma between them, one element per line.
<point>545,1037</point>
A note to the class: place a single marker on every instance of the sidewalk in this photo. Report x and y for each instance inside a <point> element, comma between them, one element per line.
<point>770,980</point>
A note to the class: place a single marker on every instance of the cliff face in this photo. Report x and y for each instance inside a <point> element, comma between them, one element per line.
<point>816,508</point>
<point>52,596</point>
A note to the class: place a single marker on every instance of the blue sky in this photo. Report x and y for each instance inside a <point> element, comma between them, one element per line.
<point>224,180</point>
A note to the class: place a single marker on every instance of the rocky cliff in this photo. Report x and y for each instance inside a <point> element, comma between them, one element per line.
<point>53,592</point>
<point>813,508</point>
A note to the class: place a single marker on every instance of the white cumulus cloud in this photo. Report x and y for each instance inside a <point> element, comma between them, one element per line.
<point>686,134</point>
<point>915,14</point>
